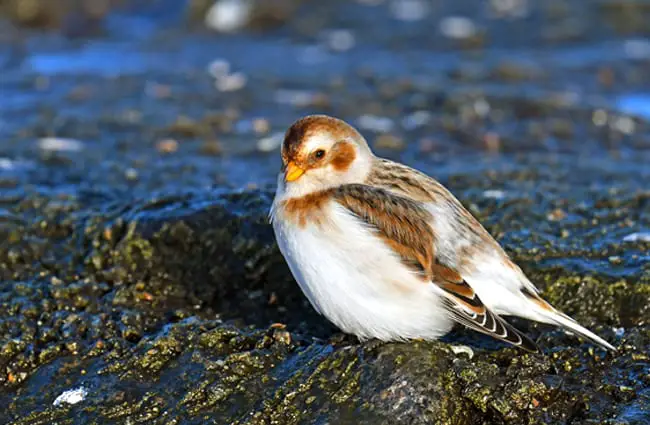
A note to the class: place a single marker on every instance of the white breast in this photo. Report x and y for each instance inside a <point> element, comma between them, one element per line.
<point>351,277</point>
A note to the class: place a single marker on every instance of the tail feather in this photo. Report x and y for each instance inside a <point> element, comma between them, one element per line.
<point>568,324</point>
<point>542,311</point>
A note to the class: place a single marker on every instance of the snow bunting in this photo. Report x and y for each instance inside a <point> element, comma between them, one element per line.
<point>384,251</point>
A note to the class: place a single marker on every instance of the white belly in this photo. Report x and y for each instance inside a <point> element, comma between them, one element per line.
<point>356,281</point>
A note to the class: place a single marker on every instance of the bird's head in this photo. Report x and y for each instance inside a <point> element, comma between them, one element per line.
<point>320,152</point>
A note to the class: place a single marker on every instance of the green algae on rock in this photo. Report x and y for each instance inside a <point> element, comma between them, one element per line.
<point>132,322</point>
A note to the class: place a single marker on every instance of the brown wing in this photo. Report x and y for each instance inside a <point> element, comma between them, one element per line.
<point>404,225</point>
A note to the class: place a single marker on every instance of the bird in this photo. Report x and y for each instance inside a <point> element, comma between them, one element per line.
<point>386,252</point>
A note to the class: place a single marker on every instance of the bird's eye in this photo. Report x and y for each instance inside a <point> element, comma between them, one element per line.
<point>320,153</point>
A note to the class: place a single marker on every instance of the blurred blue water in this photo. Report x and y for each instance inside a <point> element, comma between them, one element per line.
<point>635,104</point>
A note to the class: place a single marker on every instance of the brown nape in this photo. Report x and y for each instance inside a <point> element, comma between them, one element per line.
<point>308,126</point>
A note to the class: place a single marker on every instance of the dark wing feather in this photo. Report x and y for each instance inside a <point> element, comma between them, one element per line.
<point>405,226</point>
<point>473,314</point>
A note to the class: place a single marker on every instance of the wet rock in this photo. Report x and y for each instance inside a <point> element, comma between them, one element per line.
<point>186,127</point>
<point>74,18</point>
<point>389,141</point>
<point>211,148</point>
<point>167,146</point>
<point>512,71</point>
<point>457,27</point>
<point>227,16</point>
<point>131,321</point>
<point>629,16</point>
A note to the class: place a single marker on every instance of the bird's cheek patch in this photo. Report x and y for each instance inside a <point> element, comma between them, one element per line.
<point>342,156</point>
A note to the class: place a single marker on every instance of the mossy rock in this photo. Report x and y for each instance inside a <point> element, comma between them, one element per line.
<point>132,321</point>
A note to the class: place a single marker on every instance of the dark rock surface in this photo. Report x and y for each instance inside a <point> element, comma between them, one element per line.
<point>137,265</point>
<point>162,311</point>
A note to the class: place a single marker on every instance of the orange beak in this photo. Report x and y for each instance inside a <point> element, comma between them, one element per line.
<point>293,172</point>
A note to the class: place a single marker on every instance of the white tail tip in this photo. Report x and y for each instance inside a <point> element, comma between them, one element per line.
<point>567,323</point>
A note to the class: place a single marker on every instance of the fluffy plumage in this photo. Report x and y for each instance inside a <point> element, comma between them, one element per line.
<point>385,251</point>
